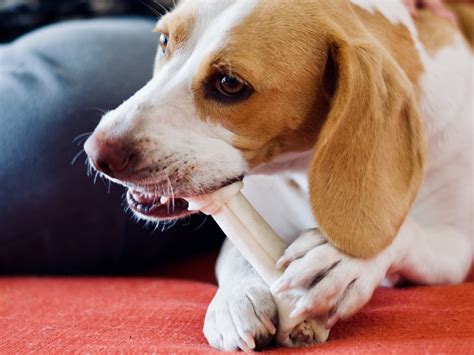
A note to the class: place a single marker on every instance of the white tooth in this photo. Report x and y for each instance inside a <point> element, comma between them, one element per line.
<point>164,199</point>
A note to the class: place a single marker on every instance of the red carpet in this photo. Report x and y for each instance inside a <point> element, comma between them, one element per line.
<point>159,315</point>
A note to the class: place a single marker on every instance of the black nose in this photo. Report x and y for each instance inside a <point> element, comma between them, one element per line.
<point>109,157</point>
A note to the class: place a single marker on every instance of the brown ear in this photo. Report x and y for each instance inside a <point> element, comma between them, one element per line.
<point>368,160</point>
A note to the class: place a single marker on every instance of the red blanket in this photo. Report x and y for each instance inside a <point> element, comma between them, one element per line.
<point>161,315</point>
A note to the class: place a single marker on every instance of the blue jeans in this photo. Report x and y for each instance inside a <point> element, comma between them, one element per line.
<point>54,85</point>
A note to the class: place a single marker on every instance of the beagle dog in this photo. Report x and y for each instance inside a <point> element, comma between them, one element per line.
<point>352,125</point>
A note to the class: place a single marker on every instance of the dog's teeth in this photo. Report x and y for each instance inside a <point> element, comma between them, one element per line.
<point>164,199</point>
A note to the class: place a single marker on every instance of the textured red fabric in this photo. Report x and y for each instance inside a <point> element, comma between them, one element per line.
<point>156,314</point>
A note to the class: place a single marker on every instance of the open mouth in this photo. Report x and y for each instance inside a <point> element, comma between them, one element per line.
<point>162,207</point>
<point>156,206</point>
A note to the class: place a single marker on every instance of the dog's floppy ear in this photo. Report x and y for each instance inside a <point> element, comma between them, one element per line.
<point>368,160</point>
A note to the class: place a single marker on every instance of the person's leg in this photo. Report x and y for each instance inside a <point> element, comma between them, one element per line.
<point>54,83</point>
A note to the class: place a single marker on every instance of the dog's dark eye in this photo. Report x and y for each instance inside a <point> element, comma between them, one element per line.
<point>229,86</point>
<point>163,42</point>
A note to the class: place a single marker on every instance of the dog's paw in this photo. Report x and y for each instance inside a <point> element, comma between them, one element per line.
<point>244,317</point>
<point>326,281</point>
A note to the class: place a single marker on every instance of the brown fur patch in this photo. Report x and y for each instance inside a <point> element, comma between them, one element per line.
<point>285,65</point>
<point>434,32</point>
<point>397,40</point>
<point>465,13</point>
<point>339,80</point>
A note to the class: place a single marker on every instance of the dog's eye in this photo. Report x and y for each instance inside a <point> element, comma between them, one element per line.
<point>229,86</point>
<point>163,42</point>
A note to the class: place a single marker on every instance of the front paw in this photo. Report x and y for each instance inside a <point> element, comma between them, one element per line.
<point>243,317</point>
<point>327,281</point>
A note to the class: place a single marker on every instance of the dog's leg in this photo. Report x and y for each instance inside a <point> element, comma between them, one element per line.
<point>333,283</point>
<point>286,208</point>
<point>242,314</point>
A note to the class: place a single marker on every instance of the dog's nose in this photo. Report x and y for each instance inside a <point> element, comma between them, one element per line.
<point>110,158</point>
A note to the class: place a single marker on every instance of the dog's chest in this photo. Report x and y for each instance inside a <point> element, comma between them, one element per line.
<point>446,106</point>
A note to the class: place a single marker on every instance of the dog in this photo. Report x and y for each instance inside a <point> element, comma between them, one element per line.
<point>351,124</point>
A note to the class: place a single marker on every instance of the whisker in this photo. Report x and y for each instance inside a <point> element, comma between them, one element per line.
<point>168,195</point>
<point>157,225</point>
<point>187,221</point>
<point>134,218</point>
<point>153,9</point>
<point>81,142</point>
<point>81,137</point>
<point>170,224</point>
<point>157,3</point>
<point>202,223</point>
<point>174,223</point>
<point>76,157</point>
<point>103,179</point>
<point>170,186</point>
<point>89,167</point>
<point>98,109</point>
<point>172,191</point>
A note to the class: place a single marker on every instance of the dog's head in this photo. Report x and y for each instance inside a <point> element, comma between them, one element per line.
<point>238,84</point>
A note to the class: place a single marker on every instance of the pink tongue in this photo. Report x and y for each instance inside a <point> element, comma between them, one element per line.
<point>145,199</point>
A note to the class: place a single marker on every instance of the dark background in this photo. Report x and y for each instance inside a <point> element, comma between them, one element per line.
<point>20,16</point>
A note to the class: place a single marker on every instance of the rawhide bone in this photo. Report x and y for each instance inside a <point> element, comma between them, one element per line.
<point>262,247</point>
